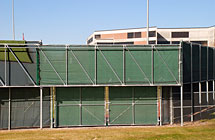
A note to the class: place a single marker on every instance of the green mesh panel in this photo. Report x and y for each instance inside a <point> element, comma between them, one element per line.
<point>81,67</point>
<point>166,66</point>
<point>138,66</point>
<point>80,106</point>
<point>110,66</point>
<point>58,60</point>
<point>93,115</point>
<point>133,105</point>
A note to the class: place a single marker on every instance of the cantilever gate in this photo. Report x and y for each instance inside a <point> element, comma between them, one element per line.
<point>80,106</point>
<point>86,106</point>
<point>132,105</point>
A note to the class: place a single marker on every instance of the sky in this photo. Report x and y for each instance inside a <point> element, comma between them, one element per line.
<point>72,21</point>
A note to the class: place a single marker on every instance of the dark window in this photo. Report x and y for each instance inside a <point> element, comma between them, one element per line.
<point>175,42</point>
<point>152,34</point>
<point>130,35</point>
<point>134,35</point>
<point>163,42</point>
<point>123,43</point>
<point>203,43</point>
<point>180,34</point>
<point>137,35</point>
<point>105,43</point>
<point>90,40</point>
<point>97,36</point>
<point>152,42</point>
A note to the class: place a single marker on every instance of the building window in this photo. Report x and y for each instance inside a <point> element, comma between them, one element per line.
<point>163,42</point>
<point>97,36</point>
<point>152,34</point>
<point>180,34</point>
<point>175,42</point>
<point>134,35</point>
<point>152,42</point>
<point>130,35</point>
<point>90,40</point>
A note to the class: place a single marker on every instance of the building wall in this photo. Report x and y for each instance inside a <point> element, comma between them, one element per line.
<point>204,36</point>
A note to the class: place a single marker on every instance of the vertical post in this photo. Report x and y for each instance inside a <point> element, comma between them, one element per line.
<point>106,105</point>
<point>182,115</point>
<point>13,20</point>
<point>171,106</point>
<point>55,106</point>
<point>123,64</point>
<point>95,65</point>
<point>66,64</point>
<point>152,67</point>
<point>41,107</point>
<point>207,79</point>
<point>207,91</point>
<point>159,98</point>
<point>5,64</point>
<point>147,21</point>
<point>133,105</point>
<point>213,90</point>
<point>191,81</point>
<point>161,118</point>
<point>9,109</point>
<point>80,106</point>
<point>51,107</point>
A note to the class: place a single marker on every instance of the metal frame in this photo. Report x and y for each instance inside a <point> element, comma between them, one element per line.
<point>98,48</point>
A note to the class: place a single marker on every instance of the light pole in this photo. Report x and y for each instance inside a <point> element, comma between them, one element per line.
<point>147,21</point>
<point>13,20</point>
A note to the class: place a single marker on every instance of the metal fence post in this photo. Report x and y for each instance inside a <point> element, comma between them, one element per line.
<point>171,106</point>
<point>41,107</point>
<point>9,109</point>
<point>51,107</point>
<point>182,114</point>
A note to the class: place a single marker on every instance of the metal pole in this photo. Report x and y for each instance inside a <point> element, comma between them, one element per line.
<point>5,64</point>
<point>95,65</point>
<point>171,107</point>
<point>123,64</point>
<point>9,109</point>
<point>191,82</point>
<point>182,119</point>
<point>213,90</point>
<point>51,107</point>
<point>13,20</point>
<point>160,92</point>
<point>152,67</point>
<point>41,107</point>
<point>147,21</point>
<point>66,64</point>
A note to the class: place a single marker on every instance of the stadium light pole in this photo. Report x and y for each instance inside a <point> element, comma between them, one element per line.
<point>147,21</point>
<point>13,20</point>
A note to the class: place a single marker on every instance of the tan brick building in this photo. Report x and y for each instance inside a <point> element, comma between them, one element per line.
<point>137,36</point>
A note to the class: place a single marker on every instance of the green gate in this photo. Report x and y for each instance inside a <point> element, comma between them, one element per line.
<point>80,106</point>
<point>132,105</point>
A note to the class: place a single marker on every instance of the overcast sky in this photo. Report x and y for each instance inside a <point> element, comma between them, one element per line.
<point>72,21</point>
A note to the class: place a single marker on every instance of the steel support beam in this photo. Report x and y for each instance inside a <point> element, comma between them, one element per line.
<point>171,107</point>
<point>191,81</point>
<point>161,118</point>
<point>182,114</point>
<point>213,90</point>
<point>51,107</point>
<point>9,109</point>
<point>41,107</point>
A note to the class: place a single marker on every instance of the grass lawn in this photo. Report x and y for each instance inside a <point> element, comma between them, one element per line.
<point>202,130</point>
